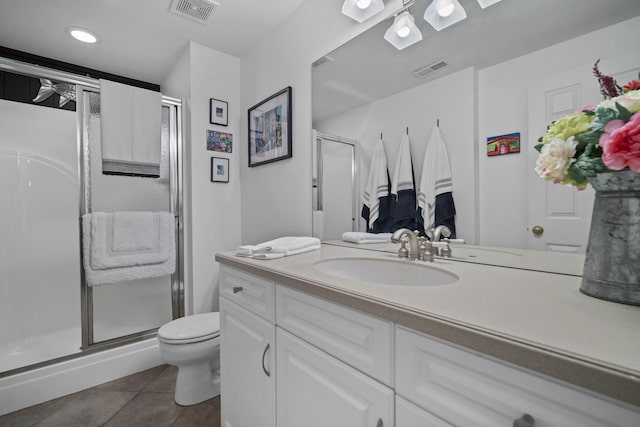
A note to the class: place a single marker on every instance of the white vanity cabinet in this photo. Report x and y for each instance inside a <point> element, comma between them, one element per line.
<point>247,346</point>
<point>465,388</point>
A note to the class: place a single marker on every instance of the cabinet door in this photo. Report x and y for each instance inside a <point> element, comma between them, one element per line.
<point>317,390</point>
<point>247,361</point>
<point>410,415</point>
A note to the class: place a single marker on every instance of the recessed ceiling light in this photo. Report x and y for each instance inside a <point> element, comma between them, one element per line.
<point>83,35</point>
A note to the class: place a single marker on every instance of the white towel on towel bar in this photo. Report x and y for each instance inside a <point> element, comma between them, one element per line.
<point>130,129</point>
<point>280,247</point>
<point>436,177</point>
<point>124,246</point>
<point>377,184</point>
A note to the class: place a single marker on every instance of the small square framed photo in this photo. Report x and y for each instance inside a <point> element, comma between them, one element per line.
<point>219,169</point>
<point>218,114</point>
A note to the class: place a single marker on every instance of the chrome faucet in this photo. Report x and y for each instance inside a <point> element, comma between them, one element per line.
<point>419,247</point>
<point>436,234</point>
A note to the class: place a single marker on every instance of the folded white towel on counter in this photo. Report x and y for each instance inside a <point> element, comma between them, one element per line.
<point>124,246</point>
<point>363,238</point>
<point>280,247</point>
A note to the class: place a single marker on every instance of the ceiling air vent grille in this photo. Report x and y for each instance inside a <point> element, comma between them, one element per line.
<point>423,72</point>
<point>195,10</point>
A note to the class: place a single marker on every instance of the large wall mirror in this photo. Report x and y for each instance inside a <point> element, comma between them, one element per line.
<point>510,68</point>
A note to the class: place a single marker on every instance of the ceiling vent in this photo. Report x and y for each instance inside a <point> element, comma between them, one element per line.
<point>195,10</point>
<point>322,60</point>
<point>423,72</point>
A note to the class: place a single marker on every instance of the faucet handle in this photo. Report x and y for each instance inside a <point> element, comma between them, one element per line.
<point>425,249</point>
<point>403,252</point>
<point>443,248</point>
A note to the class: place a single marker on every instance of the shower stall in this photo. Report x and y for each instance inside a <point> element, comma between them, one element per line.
<point>50,175</point>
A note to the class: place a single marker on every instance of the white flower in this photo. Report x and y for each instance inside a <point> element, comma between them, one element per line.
<point>555,159</point>
<point>629,100</point>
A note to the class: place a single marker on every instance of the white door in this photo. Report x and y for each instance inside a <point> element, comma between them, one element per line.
<point>247,361</point>
<point>562,213</point>
<point>559,215</point>
<point>317,390</point>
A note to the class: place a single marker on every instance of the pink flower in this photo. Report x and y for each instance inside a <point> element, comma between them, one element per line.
<point>620,144</point>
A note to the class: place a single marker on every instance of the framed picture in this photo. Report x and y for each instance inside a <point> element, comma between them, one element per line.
<point>218,112</point>
<point>219,141</point>
<point>503,144</point>
<point>219,169</point>
<point>270,126</point>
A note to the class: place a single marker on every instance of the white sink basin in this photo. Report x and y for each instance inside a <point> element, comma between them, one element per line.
<point>386,272</point>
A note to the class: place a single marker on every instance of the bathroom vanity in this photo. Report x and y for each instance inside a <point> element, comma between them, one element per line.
<point>307,345</point>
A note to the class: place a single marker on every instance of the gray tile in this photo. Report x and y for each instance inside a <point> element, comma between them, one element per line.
<point>205,414</point>
<point>28,417</point>
<point>165,382</point>
<point>147,409</point>
<point>88,408</point>
<point>133,382</point>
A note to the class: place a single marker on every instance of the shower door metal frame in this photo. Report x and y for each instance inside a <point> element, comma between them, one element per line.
<point>176,190</point>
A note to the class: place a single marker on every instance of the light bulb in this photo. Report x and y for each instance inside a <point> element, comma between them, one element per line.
<point>446,9</point>
<point>82,35</point>
<point>403,31</point>
<point>363,4</point>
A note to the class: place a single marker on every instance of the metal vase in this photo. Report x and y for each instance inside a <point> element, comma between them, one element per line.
<point>612,264</point>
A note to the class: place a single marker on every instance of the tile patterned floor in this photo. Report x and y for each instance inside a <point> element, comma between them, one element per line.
<point>141,399</point>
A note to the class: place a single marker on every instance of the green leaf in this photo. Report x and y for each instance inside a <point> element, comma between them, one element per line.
<point>623,113</point>
<point>538,147</point>
<point>588,113</point>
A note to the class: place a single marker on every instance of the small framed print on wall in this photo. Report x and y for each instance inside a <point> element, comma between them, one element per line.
<point>219,169</point>
<point>218,114</point>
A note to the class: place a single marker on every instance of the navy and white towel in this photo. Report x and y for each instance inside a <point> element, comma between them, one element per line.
<point>436,186</point>
<point>375,196</point>
<point>403,194</point>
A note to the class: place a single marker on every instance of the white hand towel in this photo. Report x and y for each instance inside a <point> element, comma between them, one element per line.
<point>130,129</point>
<point>363,238</point>
<point>377,185</point>
<point>436,177</point>
<point>402,178</point>
<point>280,247</point>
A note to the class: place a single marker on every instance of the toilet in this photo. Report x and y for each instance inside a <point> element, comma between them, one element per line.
<point>192,344</point>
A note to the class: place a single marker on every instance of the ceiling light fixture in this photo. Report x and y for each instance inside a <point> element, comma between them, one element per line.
<point>443,13</point>
<point>403,32</point>
<point>83,35</point>
<point>486,3</point>
<point>361,10</point>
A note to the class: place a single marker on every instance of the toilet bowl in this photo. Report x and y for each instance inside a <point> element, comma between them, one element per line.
<point>192,344</point>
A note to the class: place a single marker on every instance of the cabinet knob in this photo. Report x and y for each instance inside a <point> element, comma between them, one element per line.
<point>237,289</point>
<point>525,420</point>
<point>537,230</point>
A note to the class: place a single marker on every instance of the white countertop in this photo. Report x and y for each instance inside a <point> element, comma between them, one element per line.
<point>535,320</point>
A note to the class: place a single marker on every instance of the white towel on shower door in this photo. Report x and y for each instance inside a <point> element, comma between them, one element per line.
<point>125,246</point>
<point>130,129</point>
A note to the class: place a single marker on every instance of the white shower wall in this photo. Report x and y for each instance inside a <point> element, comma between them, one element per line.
<point>39,235</point>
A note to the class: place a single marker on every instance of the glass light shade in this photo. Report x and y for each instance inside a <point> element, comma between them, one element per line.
<point>433,17</point>
<point>486,3</point>
<point>82,35</point>
<point>403,32</point>
<point>353,9</point>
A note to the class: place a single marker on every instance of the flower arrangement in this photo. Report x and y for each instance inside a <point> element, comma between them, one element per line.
<point>602,138</point>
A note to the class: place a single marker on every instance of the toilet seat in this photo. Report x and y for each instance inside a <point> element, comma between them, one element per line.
<point>191,329</point>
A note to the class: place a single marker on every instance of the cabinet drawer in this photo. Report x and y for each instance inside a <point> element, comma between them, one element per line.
<point>410,415</point>
<point>465,389</point>
<point>251,292</point>
<point>360,340</point>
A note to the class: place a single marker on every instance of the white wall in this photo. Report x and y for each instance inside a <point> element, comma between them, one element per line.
<point>416,109</point>
<point>211,210</point>
<point>276,197</point>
